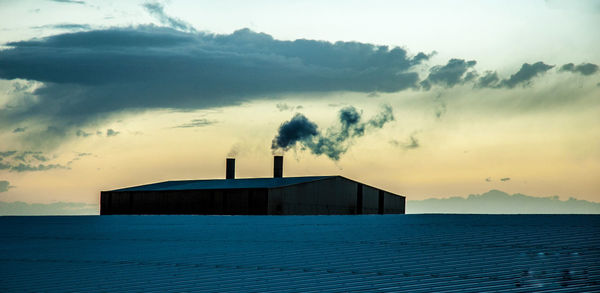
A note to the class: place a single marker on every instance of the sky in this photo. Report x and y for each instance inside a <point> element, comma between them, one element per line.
<point>428,99</point>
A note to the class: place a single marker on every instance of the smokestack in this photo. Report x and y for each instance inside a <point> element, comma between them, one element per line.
<point>277,166</point>
<point>230,171</point>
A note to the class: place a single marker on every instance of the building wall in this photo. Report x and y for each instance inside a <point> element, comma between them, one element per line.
<point>331,196</point>
<point>209,202</point>
<point>394,204</point>
<point>370,200</point>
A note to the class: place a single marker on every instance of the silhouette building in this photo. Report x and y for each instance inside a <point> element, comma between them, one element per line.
<point>312,195</point>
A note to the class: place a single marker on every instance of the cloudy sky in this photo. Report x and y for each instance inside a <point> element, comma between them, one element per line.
<point>426,99</point>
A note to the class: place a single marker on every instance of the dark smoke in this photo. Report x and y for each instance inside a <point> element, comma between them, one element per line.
<point>290,132</point>
<point>336,141</point>
<point>349,118</point>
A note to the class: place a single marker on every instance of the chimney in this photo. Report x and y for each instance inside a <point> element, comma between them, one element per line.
<point>230,172</point>
<point>277,166</point>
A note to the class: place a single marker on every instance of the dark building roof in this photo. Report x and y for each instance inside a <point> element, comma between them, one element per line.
<point>224,183</point>
<point>388,253</point>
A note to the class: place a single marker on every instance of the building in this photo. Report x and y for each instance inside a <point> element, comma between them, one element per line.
<point>314,195</point>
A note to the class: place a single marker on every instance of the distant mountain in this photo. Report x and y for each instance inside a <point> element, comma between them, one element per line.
<point>498,202</point>
<point>40,209</point>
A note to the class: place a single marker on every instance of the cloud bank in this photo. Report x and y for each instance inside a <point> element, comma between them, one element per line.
<point>36,209</point>
<point>459,72</point>
<point>336,140</point>
<point>91,74</point>
<point>26,161</point>
<point>498,202</point>
<point>85,77</point>
<point>523,77</point>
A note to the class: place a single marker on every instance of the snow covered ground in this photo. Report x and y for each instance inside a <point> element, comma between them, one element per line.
<point>416,253</point>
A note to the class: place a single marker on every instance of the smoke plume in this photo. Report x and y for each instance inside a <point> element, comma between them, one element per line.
<point>300,131</point>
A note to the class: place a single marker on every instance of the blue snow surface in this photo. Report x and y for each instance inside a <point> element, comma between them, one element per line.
<point>224,183</point>
<point>374,253</point>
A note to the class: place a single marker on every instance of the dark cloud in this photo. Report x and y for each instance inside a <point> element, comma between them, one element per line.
<point>19,129</point>
<point>40,157</point>
<point>504,179</point>
<point>470,76</point>
<point>69,1</point>
<point>459,71</point>
<point>583,68</point>
<point>7,154</point>
<point>525,74</point>
<point>77,158</point>
<point>449,75</point>
<point>93,75</point>
<point>90,75</point>
<point>27,156</point>
<point>40,167</point>
<point>64,26</point>
<point>4,186</point>
<point>82,133</point>
<point>489,179</point>
<point>22,167</point>
<point>488,79</point>
<point>498,202</point>
<point>24,161</point>
<point>112,132</point>
<point>285,107</point>
<point>197,123</point>
<point>157,10</point>
<point>336,140</point>
<point>420,57</point>
<point>522,77</point>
